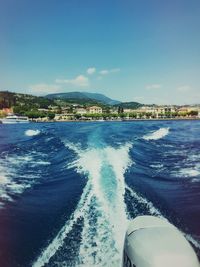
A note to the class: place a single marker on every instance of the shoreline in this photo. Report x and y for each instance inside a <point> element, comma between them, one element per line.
<point>129,120</point>
<point>115,120</point>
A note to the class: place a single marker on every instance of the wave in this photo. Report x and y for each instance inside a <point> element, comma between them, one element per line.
<point>142,200</point>
<point>8,186</point>
<point>189,172</point>
<point>32,132</point>
<point>156,212</point>
<point>101,207</point>
<point>4,181</point>
<point>161,133</point>
<point>13,166</point>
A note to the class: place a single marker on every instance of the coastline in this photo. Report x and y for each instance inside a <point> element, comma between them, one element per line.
<point>129,120</point>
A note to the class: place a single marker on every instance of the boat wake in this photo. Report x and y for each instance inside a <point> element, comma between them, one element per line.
<point>101,210</point>
<point>101,207</point>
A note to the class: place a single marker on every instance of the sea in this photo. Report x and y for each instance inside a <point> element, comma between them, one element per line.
<point>69,190</point>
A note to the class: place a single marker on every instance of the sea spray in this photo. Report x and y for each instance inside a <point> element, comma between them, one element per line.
<point>32,132</point>
<point>156,135</point>
<point>15,165</point>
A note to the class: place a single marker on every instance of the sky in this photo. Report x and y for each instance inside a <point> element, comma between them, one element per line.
<point>130,50</point>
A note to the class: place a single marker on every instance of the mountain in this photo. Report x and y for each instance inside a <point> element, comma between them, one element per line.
<point>85,96</point>
<point>25,102</point>
<point>102,98</point>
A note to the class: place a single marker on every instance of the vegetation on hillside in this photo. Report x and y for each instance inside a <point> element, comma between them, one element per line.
<point>82,102</point>
<point>23,101</point>
<point>85,96</point>
<point>129,105</point>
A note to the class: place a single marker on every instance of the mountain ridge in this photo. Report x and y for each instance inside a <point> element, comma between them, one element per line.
<point>84,95</point>
<point>9,99</point>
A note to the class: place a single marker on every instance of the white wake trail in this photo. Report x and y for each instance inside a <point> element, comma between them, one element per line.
<point>58,241</point>
<point>151,208</point>
<point>101,207</point>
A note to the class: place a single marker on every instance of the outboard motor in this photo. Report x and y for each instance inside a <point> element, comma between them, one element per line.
<point>154,242</point>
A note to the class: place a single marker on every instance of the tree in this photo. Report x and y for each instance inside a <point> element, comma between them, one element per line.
<point>149,114</point>
<point>193,113</point>
<point>133,115</point>
<point>122,115</point>
<point>34,114</point>
<point>77,116</point>
<point>51,115</point>
<point>120,110</point>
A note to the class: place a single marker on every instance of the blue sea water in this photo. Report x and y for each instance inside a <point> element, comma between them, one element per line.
<point>69,190</point>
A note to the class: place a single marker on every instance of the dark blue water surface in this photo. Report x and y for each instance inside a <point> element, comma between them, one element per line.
<point>68,190</point>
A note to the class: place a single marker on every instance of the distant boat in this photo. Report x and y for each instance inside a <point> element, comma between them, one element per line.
<point>14,119</point>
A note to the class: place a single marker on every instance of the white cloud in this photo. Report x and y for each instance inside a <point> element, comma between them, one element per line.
<point>153,86</point>
<point>79,81</point>
<point>105,72</point>
<point>91,71</point>
<point>42,88</point>
<point>184,88</point>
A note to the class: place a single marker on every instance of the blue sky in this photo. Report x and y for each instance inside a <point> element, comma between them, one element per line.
<point>130,50</point>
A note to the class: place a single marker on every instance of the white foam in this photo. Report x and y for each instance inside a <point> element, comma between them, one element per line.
<point>189,172</point>
<point>32,132</point>
<point>192,240</point>
<point>152,209</point>
<point>157,166</point>
<point>75,148</point>
<point>103,200</point>
<point>8,186</point>
<point>110,216</point>
<point>58,241</point>
<point>192,172</point>
<point>3,179</point>
<point>161,133</point>
<point>13,167</point>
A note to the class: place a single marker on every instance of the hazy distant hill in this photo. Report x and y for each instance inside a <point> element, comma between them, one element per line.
<point>85,96</point>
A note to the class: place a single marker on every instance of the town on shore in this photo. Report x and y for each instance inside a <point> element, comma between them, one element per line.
<point>76,112</point>
<point>39,109</point>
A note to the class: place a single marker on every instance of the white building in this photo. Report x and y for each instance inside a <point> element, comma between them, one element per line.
<point>95,110</point>
<point>80,111</point>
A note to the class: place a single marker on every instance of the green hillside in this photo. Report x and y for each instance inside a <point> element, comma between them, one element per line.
<point>84,96</point>
<point>129,105</point>
<point>9,99</point>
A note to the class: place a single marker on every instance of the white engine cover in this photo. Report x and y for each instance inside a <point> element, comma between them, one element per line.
<point>154,242</point>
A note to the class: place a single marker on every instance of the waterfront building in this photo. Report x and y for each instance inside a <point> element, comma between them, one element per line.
<point>80,111</point>
<point>95,110</point>
<point>64,117</point>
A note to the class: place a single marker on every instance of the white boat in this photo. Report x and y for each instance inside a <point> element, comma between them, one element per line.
<point>10,119</point>
<point>154,242</point>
